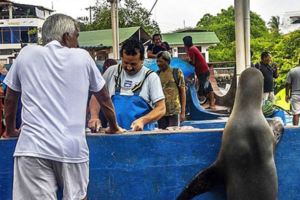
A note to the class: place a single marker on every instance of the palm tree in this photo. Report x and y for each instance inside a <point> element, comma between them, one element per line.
<point>274,24</point>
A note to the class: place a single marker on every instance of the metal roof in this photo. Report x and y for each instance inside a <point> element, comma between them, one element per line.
<point>198,38</point>
<point>7,2</point>
<point>103,38</point>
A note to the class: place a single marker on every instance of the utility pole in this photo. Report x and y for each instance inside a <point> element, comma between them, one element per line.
<point>90,8</point>
<point>115,27</point>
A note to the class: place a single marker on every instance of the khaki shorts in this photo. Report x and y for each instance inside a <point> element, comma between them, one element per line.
<point>295,104</point>
<point>37,178</point>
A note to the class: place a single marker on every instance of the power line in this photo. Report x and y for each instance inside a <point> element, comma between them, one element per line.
<point>152,7</point>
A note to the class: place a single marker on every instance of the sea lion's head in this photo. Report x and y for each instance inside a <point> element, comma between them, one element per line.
<point>250,88</point>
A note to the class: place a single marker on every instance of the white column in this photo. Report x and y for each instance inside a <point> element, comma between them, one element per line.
<point>204,49</point>
<point>240,37</point>
<point>115,27</point>
<point>207,56</point>
<point>247,32</point>
<point>10,11</point>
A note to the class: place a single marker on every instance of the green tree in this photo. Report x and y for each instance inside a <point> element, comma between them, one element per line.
<point>274,24</point>
<point>284,48</point>
<point>131,13</point>
<point>223,24</point>
<point>286,53</point>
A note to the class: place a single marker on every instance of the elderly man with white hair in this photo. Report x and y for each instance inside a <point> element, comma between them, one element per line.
<point>53,81</point>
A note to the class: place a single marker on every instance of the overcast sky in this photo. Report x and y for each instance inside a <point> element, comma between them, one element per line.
<point>174,14</point>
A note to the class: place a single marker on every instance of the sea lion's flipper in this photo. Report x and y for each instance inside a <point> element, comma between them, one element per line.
<point>202,183</point>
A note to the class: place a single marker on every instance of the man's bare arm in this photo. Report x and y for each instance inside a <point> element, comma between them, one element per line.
<point>10,109</point>
<point>94,108</point>
<point>150,54</point>
<point>108,109</point>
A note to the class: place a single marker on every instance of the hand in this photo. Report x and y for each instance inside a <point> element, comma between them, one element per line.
<point>274,65</point>
<point>113,131</point>
<point>287,98</point>
<point>94,124</point>
<point>182,117</point>
<point>137,125</point>
<point>14,134</point>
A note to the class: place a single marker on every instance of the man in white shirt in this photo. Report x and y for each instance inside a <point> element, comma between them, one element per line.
<point>293,92</point>
<point>53,81</point>
<point>136,91</point>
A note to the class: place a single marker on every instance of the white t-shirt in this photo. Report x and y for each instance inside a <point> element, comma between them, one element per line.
<point>293,78</point>
<point>54,82</point>
<point>151,91</point>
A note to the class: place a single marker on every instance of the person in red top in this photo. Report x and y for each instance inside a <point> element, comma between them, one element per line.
<point>196,59</point>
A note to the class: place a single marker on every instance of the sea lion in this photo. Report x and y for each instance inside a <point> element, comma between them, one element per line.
<point>245,163</point>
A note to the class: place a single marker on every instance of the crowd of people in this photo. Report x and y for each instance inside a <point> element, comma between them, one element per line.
<point>55,82</point>
<point>58,81</point>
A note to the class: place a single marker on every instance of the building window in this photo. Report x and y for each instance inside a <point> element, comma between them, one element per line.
<point>24,36</point>
<point>6,39</point>
<point>181,50</point>
<point>295,20</point>
<point>33,35</point>
<point>200,48</point>
<point>15,35</point>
